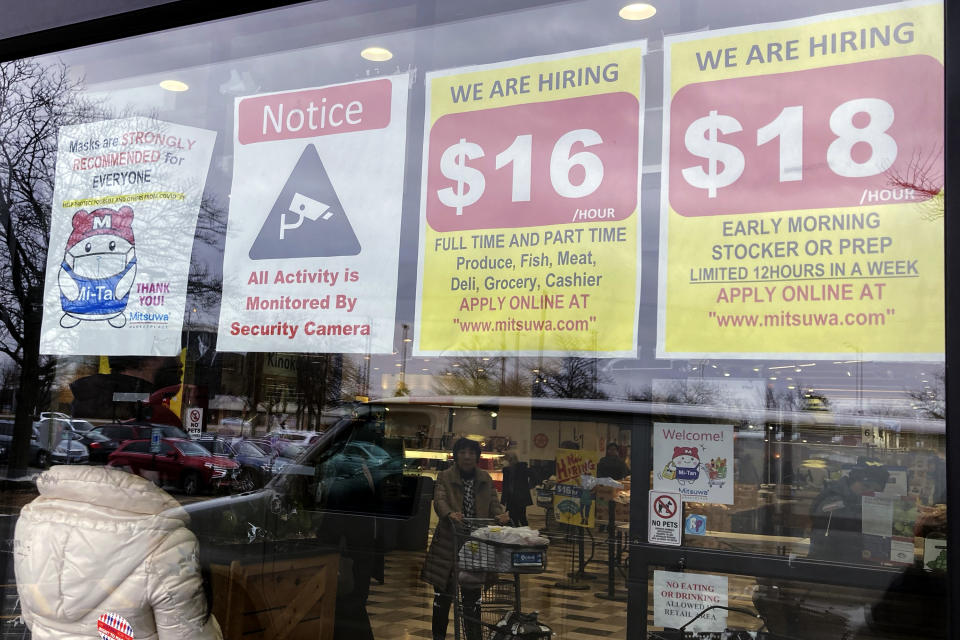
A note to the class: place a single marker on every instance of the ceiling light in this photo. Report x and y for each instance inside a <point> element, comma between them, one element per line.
<point>637,11</point>
<point>174,85</point>
<point>376,54</point>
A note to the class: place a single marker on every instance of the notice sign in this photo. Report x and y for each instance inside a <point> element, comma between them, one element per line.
<point>802,189</point>
<point>530,225</point>
<point>313,238</point>
<point>666,513</point>
<point>124,212</point>
<point>695,460</point>
<point>679,597</point>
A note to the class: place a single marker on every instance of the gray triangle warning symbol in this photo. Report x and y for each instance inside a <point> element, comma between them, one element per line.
<point>307,220</point>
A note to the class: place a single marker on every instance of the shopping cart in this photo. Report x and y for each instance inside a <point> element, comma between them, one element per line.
<point>488,580</point>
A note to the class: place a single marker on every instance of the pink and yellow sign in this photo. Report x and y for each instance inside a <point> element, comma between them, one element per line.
<point>802,177</point>
<point>530,226</point>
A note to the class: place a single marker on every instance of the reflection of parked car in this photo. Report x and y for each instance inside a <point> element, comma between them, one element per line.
<point>39,455</point>
<point>70,450</point>
<point>179,462</point>
<point>120,433</point>
<point>236,422</point>
<point>99,445</point>
<point>81,425</point>
<point>303,438</point>
<point>50,415</point>
<point>314,492</point>
<point>281,454</point>
<point>255,462</point>
<point>359,454</point>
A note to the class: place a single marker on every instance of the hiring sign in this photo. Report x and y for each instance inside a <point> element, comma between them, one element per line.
<point>800,190</point>
<point>530,209</point>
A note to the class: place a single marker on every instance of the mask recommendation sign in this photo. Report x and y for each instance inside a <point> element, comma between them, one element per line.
<point>125,205</point>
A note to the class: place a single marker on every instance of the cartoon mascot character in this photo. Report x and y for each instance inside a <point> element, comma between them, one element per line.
<point>98,268</point>
<point>684,467</point>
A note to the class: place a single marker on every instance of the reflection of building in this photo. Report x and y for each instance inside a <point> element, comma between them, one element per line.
<point>268,390</point>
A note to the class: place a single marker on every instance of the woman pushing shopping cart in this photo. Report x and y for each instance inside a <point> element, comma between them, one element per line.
<point>462,491</point>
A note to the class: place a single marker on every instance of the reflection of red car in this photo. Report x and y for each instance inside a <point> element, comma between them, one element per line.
<point>179,462</point>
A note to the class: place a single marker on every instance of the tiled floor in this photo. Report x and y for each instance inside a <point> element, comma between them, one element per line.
<point>400,608</point>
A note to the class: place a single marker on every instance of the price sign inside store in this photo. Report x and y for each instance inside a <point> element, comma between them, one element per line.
<point>839,136</point>
<point>801,205</point>
<point>530,225</point>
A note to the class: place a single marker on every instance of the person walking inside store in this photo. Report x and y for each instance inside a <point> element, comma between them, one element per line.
<point>462,491</point>
<point>612,465</point>
<point>836,531</point>
<point>516,489</point>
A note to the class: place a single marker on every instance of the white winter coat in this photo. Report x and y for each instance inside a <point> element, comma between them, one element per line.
<point>101,540</point>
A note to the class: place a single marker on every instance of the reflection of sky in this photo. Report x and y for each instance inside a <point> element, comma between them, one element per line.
<point>319,44</point>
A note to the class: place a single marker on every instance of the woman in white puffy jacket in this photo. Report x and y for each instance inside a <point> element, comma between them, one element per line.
<point>101,540</point>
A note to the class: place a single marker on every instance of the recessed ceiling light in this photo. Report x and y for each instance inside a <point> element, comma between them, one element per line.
<point>174,85</point>
<point>376,54</point>
<point>637,11</point>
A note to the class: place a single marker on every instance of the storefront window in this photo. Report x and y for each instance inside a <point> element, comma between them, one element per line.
<point>479,320</point>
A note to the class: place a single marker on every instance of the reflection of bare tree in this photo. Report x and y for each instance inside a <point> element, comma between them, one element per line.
<point>570,377</point>
<point>203,286</point>
<point>924,176</point>
<point>801,398</point>
<point>689,392</point>
<point>931,400</point>
<point>318,383</point>
<point>468,376</point>
<point>355,375</point>
<point>478,376</point>
<point>37,100</point>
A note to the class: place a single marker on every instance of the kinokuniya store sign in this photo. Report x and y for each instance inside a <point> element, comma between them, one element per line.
<point>280,365</point>
<point>313,236</point>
